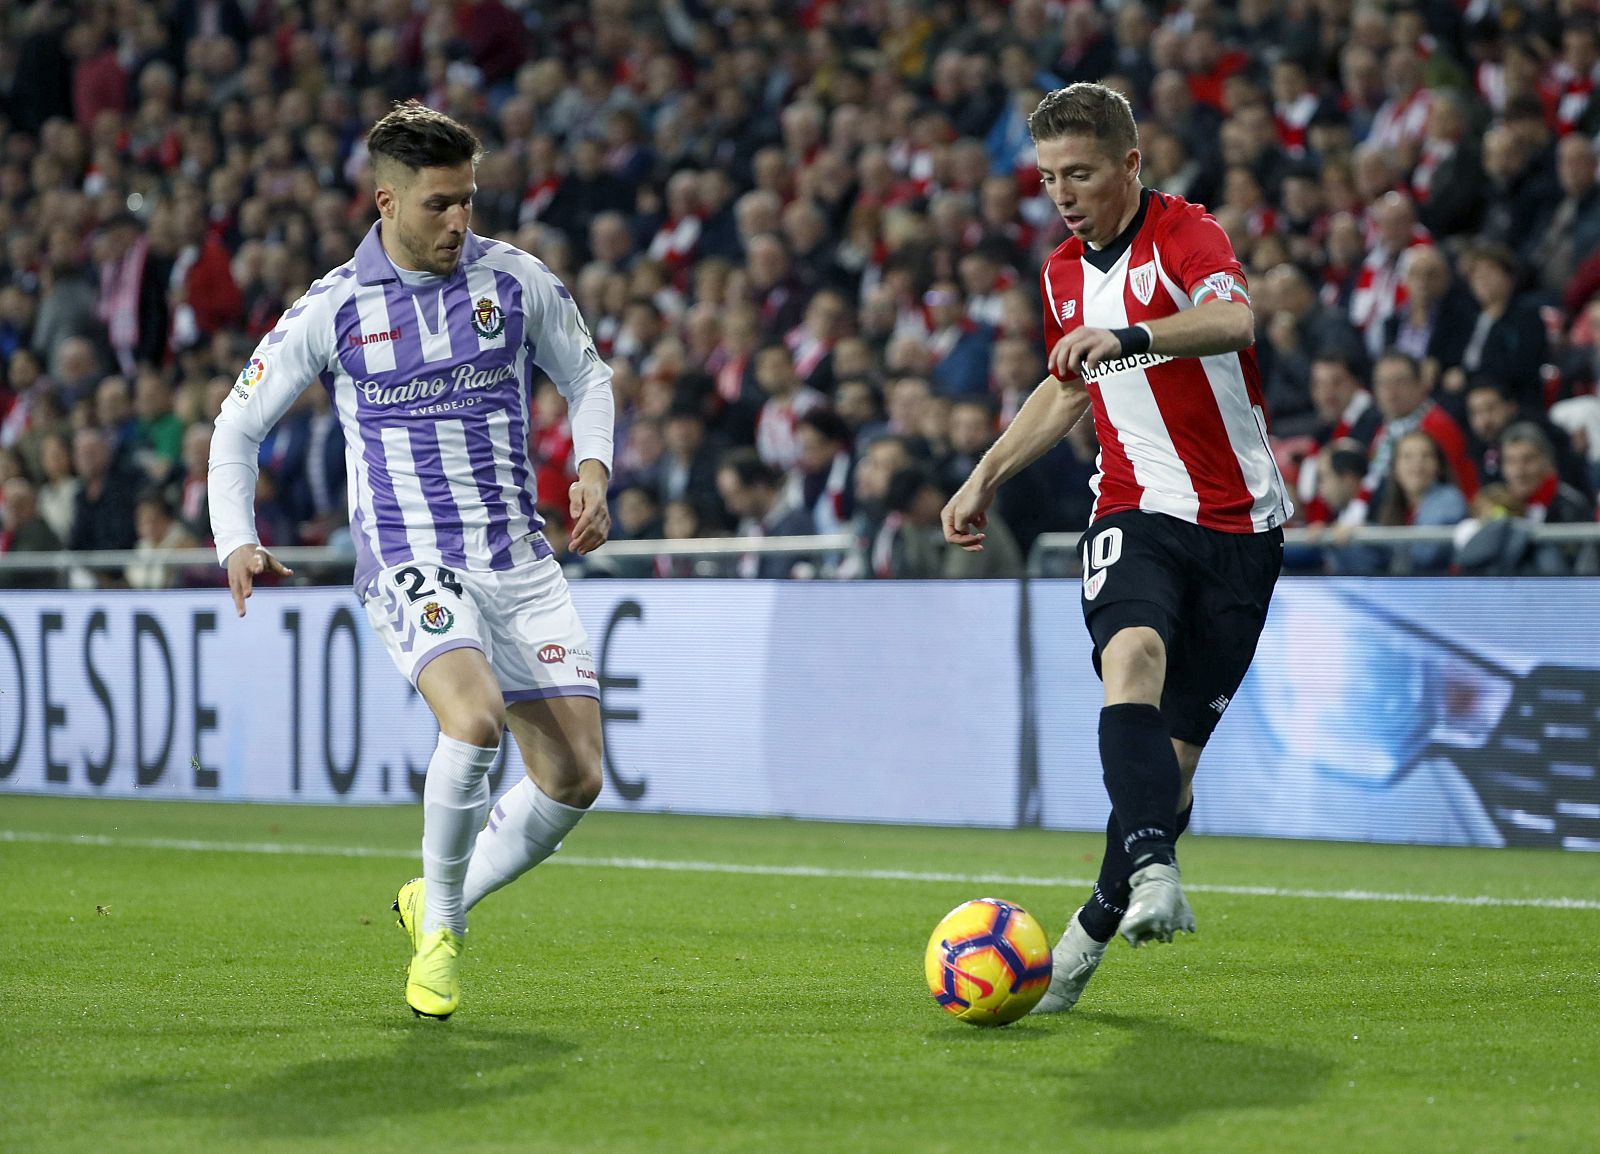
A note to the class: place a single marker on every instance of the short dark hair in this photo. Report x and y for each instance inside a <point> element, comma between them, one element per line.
<point>749,468</point>
<point>1405,358</point>
<point>828,424</point>
<point>1086,110</point>
<point>416,136</point>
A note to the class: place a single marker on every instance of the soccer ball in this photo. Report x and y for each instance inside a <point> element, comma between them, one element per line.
<point>988,962</point>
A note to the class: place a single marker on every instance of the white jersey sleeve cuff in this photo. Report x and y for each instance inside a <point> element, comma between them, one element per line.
<point>231,489</point>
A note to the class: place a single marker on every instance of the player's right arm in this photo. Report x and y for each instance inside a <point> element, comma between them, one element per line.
<point>1047,416</point>
<point>287,360</point>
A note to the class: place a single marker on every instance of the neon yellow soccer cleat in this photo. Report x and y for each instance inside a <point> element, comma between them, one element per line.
<point>409,906</point>
<point>433,986</point>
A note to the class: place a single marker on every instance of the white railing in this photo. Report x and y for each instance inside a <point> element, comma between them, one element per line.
<point>323,558</point>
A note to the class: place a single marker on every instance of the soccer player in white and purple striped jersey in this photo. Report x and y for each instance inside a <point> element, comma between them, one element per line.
<point>428,340</point>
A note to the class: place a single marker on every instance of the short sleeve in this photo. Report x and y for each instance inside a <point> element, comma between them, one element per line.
<point>1052,323</point>
<point>1202,257</point>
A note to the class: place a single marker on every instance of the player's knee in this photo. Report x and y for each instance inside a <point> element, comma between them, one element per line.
<point>479,725</point>
<point>573,775</point>
<point>1135,658</point>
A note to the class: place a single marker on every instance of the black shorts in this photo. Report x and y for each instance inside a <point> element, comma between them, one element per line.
<point>1206,592</point>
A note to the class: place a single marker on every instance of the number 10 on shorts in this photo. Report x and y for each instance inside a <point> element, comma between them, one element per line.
<point>1100,552</point>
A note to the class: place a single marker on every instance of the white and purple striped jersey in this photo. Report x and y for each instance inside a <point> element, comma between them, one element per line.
<point>431,378</point>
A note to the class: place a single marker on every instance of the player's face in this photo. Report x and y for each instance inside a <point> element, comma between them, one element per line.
<point>1096,192</point>
<point>429,211</point>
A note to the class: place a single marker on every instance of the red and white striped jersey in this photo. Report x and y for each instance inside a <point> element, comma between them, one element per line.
<point>1186,436</point>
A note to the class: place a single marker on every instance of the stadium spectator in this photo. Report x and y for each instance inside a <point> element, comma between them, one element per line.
<point>1572,228</point>
<point>819,482</point>
<point>788,399</point>
<point>1508,338</point>
<point>1499,542</point>
<point>102,517</point>
<point>159,532</point>
<point>1419,491</point>
<point>1435,323</point>
<point>58,493</point>
<point>1402,399</point>
<point>23,530</point>
<point>1299,329</point>
<point>751,489</point>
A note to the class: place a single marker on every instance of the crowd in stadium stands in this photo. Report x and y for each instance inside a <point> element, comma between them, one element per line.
<point>806,235</point>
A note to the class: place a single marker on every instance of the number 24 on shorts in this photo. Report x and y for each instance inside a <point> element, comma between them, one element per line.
<point>411,581</point>
<point>1100,552</point>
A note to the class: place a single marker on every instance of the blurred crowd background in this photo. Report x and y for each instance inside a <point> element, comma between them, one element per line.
<point>806,235</point>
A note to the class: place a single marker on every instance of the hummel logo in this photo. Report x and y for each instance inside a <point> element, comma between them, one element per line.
<point>1069,309</point>
<point>1220,704</point>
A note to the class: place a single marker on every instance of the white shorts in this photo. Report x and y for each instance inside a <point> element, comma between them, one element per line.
<point>522,620</point>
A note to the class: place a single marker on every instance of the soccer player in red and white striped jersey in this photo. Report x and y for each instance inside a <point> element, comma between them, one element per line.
<point>1147,322</point>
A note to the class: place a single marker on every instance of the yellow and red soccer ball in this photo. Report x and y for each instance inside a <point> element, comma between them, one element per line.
<point>988,962</point>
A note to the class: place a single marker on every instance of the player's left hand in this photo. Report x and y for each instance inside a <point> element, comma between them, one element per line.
<point>1082,349</point>
<point>591,519</point>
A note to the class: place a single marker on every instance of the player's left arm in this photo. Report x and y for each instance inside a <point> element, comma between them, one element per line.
<point>565,352</point>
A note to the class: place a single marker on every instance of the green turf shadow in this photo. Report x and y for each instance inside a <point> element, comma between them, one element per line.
<point>408,1070</point>
<point>1162,1075</point>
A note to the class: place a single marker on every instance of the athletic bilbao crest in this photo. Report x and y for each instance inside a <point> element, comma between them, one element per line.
<point>1143,280</point>
<point>1222,285</point>
<point>487,319</point>
<point>436,618</point>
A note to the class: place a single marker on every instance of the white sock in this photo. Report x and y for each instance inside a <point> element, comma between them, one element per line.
<point>451,815</point>
<point>525,827</point>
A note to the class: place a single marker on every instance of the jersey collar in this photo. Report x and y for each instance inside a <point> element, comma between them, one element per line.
<point>1104,258</point>
<point>372,263</point>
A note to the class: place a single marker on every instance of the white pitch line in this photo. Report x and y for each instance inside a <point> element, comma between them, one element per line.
<point>748,869</point>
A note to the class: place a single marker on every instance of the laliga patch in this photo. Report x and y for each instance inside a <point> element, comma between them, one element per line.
<point>1093,583</point>
<point>1143,280</point>
<point>249,377</point>
<point>436,618</point>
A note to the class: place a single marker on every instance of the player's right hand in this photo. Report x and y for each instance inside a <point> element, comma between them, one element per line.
<point>966,513</point>
<point>243,564</point>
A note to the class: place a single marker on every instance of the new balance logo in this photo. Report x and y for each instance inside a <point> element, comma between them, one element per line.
<point>1069,309</point>
<point>1220,704</point>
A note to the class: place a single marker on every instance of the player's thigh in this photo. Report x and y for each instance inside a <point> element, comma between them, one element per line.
<point>461,690</point>
<point>1221,624</point>
<point>1132,594</point>
<point>430,620</point>
<point>560,739</point>
<point>542,661</point>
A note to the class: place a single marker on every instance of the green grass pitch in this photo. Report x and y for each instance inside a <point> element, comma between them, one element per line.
<point>215,996</point>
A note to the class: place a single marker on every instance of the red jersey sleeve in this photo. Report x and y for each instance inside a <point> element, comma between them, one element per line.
<point>1052,323</point>
<point>1200,257</point>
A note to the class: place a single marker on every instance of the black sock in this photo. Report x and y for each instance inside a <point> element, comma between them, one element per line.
<point>1108,900</point>
<point>1143,779</point>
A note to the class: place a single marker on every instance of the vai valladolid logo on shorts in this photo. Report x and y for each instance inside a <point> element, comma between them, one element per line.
<point>487,319</point>
<point>436,618</point>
